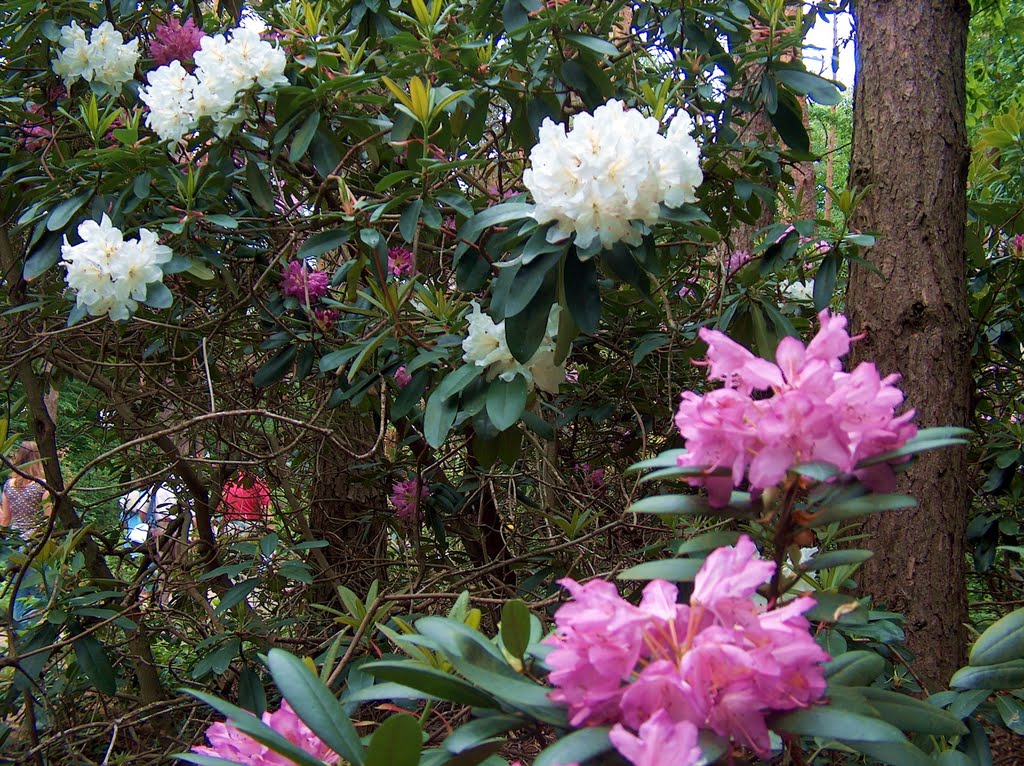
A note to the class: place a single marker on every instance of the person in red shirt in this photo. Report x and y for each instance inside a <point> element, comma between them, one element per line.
<point>245,504</point>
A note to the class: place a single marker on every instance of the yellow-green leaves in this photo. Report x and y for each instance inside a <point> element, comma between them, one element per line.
<point>422,102</point>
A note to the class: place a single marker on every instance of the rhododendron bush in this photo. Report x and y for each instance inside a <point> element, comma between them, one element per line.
<point>459,284</point>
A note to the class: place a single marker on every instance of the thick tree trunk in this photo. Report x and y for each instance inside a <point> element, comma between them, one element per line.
<point>910,150</point>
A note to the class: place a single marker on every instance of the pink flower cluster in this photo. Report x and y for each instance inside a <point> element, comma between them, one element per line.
<point>175,41</point>
<point>407,496</point>
<point>816,412</point>
<point>736,261</point>
<point>326,318</point>
<point>593,478</point>
<point>299,281</point>
<point>402,377</point>
<point>661,671</point>
<point>400,262</point>
<point>229,743</point>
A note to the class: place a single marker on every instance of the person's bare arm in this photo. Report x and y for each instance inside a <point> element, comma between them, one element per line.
<point>5,512</point>
<point>46,504</point>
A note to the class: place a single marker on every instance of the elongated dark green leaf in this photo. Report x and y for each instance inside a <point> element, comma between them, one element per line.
<point>506,401</point>
<point>323,242</point>
<point>472,734</point>
<point>396,742</point>
<point>471,230</point>
<point>303,137</point>
<point>236,594</point>
<point>42,256</point>
<point>528,280</point>
<point>861,506</point>
<point>788,120</point>
<point>1005,675</point>
<point>203,760</point>
<point>676,570</point>
<point>276,368</point>
<point>410,217</point>
<point>582,294</point>
<point>594,44</point>
<point>515,627</point>
<point>93,660</point>
<point>438,418</point>
<point>1001,642</point>
<point>667,459</point>
<point>458,640</point>
<point>432,681</point>
<point>65,210</point>
<point>857,668</point>
<point>251,694</point>
<point>834,723</point>
<point>911,714</point>
<point>259,189</point>
<point>458,379</point>
<point>525,330</point>
<point>816,88</point>
<point>893,753</point>
<point>315,705</point>
<point>836,558</point>
<point>578,747</point>
<point>158,296</point>
<point>926,439</point>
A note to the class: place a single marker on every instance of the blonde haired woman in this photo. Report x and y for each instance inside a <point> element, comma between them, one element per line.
<point>24,502</point>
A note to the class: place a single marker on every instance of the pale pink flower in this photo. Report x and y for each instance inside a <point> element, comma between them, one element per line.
<point>661,741</point>
<point>1018,245</point>
<point>736,261</point>
<point>572,375</point>
<point>400,262</point>
<point>300,282</point>
<point>407,497</point>
<point>175,41</point>
<point>662,670</point>
<point>816,412</point>
<point>229,743</point>
<point>402,377</point>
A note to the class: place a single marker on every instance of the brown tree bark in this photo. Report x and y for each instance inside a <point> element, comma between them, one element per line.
<point>910,150</point>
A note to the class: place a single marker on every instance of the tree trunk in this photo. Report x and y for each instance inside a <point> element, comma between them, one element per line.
<point>910,150</point>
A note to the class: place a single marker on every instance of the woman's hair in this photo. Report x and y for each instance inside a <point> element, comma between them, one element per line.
<point>27,460</point>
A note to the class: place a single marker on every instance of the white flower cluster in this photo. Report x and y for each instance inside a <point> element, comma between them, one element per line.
<point>110,274</point>
<point>613,168</point>
<point>485,346</point>
<point>225,68</point>
<point>104,58</point>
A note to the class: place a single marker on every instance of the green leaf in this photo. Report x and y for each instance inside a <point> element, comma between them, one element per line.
<point>690,504</point>
<point>93,660</point>
<point>528,280</point>
<point>430,680</point>
<point>475,733</point>
<point>1001,642</point>
<point>438,418</point>
<point>594,44</point>
<point>666,459</point>
<point>455,381</point>
<point>158,296</point>
<point>578,747</point>
<point>825,281</point>
<point>835,723</point>
<point>322,243</point>
<point>65,210</point>
<point>816,88</point>
<point>1005,675</point>
<point>836,558</point>
<point>275,369</point>
<point>861,506</point>
<point>42,257</point>
<point>857,668</point>
<point>525,330</point>
<point>236,594</point>
<point>788,121</point>
<point>506,401</point>
<point>911,714</point>
<point>515,627</point>
<point>582,294</point>
<point>471,230</point>
<point>926,439</point>
<point>893,753</point>
<point>315,705</point>
<point>953,758</point>
<point>459,641</point>
<point>396,742</point>
<point>303,137</point>
<point>251,694</point>
<point>674,570</point>
<point>259,189</point>
<point>410,217</point>
<point>203,760</point>
<point>224,221</point>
